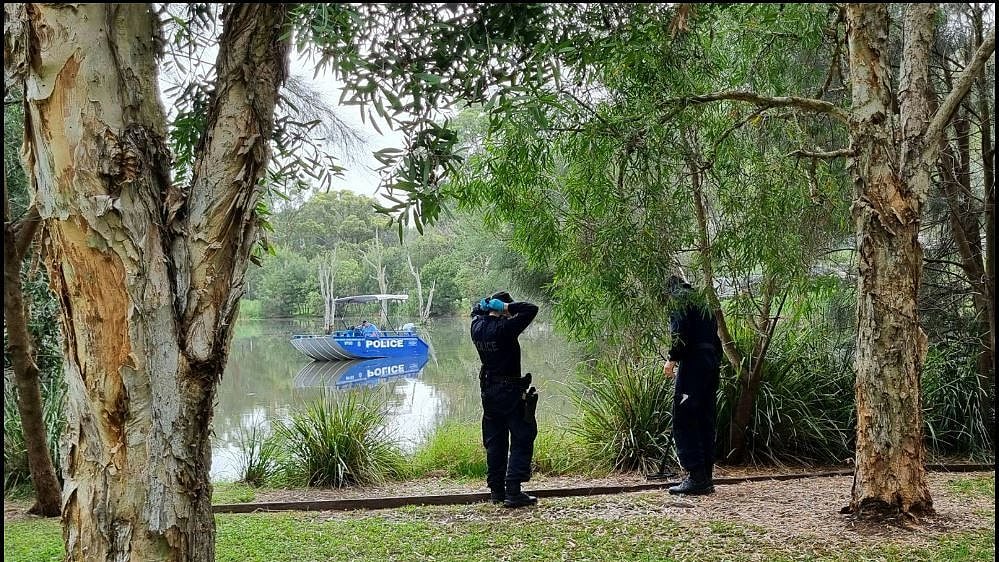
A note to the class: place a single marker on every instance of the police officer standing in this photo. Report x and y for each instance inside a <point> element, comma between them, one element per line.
<point>695,360</point>
<point>509,426</point>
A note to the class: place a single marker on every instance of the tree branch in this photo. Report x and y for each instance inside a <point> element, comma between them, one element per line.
<point>807,104</point>
<point>221,225</point>
<point>950,104</point>
<point>826,154</point>
<point>24,231</point>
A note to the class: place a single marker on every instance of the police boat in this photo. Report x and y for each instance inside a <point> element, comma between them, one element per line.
<point>365,342</point>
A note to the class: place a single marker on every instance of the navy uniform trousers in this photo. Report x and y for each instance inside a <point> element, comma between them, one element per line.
<point>694,416</point>
<point>506,434</point>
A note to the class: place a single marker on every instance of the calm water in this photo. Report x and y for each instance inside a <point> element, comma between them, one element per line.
<point>266,379</point>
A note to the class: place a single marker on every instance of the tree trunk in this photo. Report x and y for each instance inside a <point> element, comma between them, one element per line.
<point>430,302</point>
<point>148,276</point>
<point>17,237</point>
<point>327,276</point>
<point>419,287</point>
<point>743,410</point>
<point>985,105</point>
<point>890,187</point>
<point>752,379</point>
<point>380,276</point>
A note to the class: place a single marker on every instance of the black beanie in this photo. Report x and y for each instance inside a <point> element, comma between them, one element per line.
<point>502,296</point>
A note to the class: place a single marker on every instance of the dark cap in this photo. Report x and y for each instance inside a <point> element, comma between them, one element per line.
<point>675,282</point>
<point>502,296</point>
<point>675,287</point>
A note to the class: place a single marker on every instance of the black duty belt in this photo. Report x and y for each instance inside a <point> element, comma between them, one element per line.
<point>499,379</point>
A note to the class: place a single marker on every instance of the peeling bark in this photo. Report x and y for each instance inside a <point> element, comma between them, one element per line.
<point>891,173</point>
<point>148,276</point>
<point>891,182</point>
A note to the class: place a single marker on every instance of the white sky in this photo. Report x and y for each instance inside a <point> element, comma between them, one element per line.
<point>360,176</point>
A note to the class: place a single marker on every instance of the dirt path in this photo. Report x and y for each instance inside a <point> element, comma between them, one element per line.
<point>435,486</point>
<point>804,512</point>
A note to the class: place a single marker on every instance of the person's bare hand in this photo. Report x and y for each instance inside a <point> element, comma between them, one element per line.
<point>669,369</point>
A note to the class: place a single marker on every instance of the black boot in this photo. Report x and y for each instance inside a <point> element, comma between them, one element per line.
<point>516,498</point>
<point>497,495</point>
<point>695,484</point>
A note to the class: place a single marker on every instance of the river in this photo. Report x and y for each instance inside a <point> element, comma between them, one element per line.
<point>266,379</point>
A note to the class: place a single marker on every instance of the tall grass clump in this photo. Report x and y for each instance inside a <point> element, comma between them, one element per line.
<point>339,440</point>
<point>804,410</point>
<point>625,416</point>
<point>258,455</point>
<point>16,472</point>
<point>954,404</point>
<point>453,449</point>
<point>559,451</point>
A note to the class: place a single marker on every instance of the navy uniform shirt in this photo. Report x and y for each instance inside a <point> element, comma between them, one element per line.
<point>495,338</point>
<point>692,327</point>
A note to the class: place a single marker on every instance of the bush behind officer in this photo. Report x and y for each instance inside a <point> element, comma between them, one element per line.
<point>509,426</point>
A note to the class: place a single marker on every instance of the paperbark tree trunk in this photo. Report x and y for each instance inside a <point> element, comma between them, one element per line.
<point>891,181</point>
<point>148,275</point>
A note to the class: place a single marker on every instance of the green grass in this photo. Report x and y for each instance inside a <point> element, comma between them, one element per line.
<point>32,540</point>
<point>483,532</point>
<point>15,452</point>
<point>558,452</point>
<point>233,492</point>
<point>453,449</point>
<point>338,441</point>
<point>259,455</point>
<point>977,486</point>
<point>625,417</point>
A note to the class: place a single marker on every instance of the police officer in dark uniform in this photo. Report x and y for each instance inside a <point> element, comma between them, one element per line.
<point>695,359</point>
<point>509,426</point>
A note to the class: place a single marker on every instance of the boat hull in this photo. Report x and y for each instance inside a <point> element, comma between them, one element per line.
<point>346,346</point>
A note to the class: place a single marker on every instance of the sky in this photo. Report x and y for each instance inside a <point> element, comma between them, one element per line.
<point>360,176</point>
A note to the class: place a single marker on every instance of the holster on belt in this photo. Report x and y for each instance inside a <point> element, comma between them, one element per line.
<point>531,405</point>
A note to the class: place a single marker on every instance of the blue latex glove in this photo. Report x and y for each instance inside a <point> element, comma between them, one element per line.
<point>493,304</point>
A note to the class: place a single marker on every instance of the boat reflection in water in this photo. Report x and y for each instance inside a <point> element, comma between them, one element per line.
<point>360,372</point>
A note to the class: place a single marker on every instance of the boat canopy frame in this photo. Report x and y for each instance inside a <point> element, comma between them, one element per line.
<point>363,299</point>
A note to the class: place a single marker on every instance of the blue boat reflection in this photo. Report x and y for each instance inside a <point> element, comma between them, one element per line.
<point>361,372</point>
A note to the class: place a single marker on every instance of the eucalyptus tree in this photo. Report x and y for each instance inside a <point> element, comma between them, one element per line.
<point>148,272</point>
<point>147,250</point>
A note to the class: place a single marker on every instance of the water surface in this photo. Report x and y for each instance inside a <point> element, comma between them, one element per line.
<point>266,379</point>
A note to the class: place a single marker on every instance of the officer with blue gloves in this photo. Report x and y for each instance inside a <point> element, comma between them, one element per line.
<point>509,427</point>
